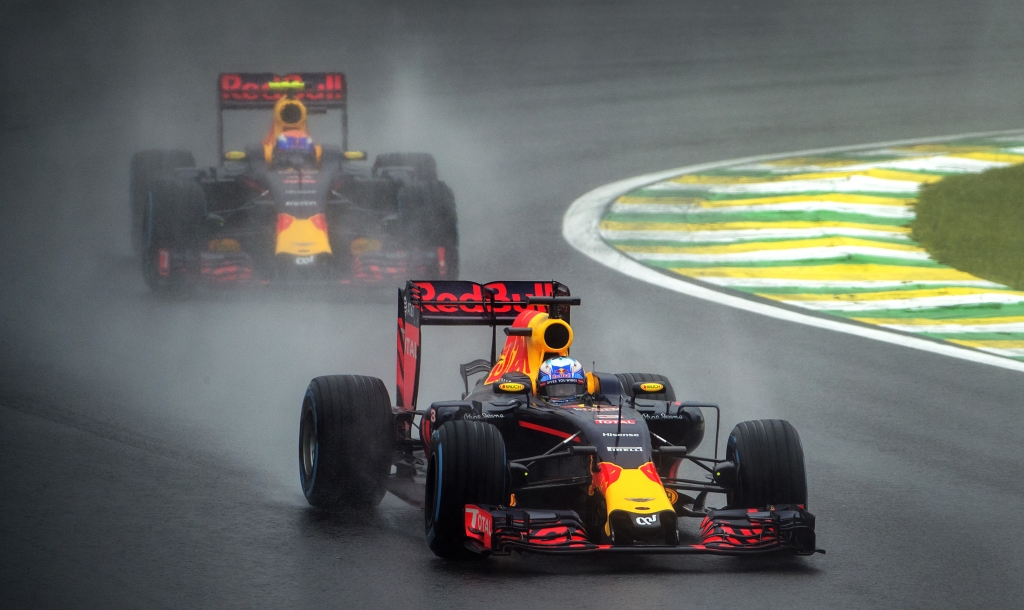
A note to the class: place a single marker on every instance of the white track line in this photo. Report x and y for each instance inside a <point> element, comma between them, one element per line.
<point>581,228</point>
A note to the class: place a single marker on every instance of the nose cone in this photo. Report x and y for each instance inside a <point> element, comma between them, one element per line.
<point>302,236</point>
<point>636,494</point>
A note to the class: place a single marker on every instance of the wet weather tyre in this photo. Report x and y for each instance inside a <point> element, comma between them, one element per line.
<point>146,167</point>
<point>626,380</point>
<point>423,165</point>
<point>466,466</point>
<point>769,464</point>
<point>432,221</point>
<point>346,440</point>
<point>172,224</point>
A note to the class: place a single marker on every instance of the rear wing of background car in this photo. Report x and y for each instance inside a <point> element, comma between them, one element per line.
<point>458,303</point>
<point>251,91</point>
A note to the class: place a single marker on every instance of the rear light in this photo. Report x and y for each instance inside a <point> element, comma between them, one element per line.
<point>163,263</point>
<point>284,221</point>
<point>319,221</point>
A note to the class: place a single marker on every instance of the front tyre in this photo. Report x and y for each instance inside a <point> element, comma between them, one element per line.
<point>346,438</point>
<point>467,466</point>
<point>769,464</point>
<point>172,225</point>
<point>146,167</point>
<point>431,222</point>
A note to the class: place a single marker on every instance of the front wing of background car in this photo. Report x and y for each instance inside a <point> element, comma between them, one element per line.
<point>501,530</point>
<point>226,269</point>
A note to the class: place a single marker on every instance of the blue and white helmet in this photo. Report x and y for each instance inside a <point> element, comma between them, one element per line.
<point>561,380</point>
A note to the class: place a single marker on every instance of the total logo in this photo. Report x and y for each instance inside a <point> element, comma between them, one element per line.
<point>614,449</point>
<point>480,520</point>
<point>629,434</point>
<point>479,524</point>
<point>646,520</point>
<point>615,421</point>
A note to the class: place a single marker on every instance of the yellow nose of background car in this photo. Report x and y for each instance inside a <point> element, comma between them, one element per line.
<point>302,236</point>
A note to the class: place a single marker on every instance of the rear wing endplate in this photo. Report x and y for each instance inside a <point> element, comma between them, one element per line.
<point>458,303</point>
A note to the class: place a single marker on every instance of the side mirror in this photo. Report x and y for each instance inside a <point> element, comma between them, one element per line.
<point>647,387</point>
<point>675,451</point>
<point>513,383</point>
<point>644,387</point>
<point>509,387</point>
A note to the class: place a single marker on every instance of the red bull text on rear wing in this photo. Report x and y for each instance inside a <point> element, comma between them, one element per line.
<point>459,303</point>
<point>251,90</point>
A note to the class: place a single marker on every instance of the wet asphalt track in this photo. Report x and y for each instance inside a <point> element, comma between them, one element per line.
<point>147,447</point>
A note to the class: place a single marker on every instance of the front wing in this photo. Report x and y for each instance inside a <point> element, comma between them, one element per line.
<point>500,530</point>
<point>227,269</point>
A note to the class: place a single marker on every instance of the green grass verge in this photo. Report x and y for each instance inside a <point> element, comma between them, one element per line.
<point>975,223</point>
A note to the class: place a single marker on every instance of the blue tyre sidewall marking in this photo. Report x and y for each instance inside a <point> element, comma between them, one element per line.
<point>437,488</point>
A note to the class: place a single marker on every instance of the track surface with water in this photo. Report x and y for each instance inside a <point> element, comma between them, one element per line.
<point>147,446</point>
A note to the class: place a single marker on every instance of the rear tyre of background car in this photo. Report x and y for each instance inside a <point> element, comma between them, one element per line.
<point>626,380</point>
<point>769,464</point>
<point>346,441</point>
<point>467,466</point>
<point>422,165</point>
<point>172,225</point>
<point>146,167</point>
<point>431,222</point>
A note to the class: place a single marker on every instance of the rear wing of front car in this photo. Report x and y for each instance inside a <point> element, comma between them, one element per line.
<point>322,91</point>
<point>461,303</point>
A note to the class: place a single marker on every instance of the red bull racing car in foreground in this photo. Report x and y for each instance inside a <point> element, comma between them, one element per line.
<point>539,455</point>
<point>289,209</point>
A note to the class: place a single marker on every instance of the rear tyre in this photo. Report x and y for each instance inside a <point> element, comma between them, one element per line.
<point>172,224</point>
<point>346,441</point>
<point>146,167</point>
<point>431,222</point>
<point>467,466</point>
<point>769,464</point>
<point>626,380</point>
<point>423,165</point>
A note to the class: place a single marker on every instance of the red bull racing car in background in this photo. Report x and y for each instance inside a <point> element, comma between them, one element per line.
<point>290,209</point>
<point>539,455</point>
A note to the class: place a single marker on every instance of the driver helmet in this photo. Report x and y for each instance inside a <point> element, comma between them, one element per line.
<point>561,380</point>
<point>294,145</point>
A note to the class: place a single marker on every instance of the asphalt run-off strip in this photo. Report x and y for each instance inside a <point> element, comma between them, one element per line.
<point>818,237</point>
